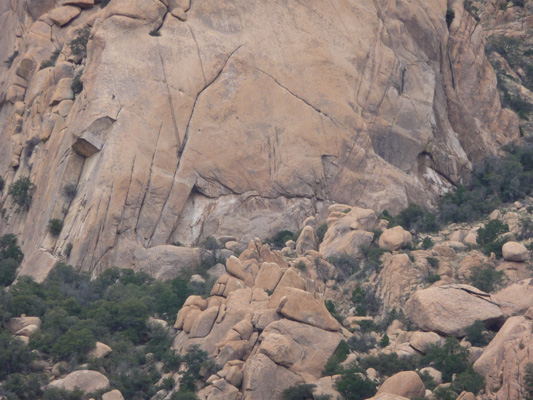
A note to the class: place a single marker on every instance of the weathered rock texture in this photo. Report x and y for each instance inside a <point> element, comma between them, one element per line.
<point>240,119</point>
<point>450,309</point>
<point>263,342</point>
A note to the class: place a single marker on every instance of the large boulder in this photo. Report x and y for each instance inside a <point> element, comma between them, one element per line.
<point>86,381</point>
<point>450,309</point>
<point>302,306</point>
<point>505,358</point>
<point>513,251</point>
<point>394,239</point>
<point>407,384</point>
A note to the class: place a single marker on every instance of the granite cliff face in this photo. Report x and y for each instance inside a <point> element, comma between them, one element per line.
<point>239,119</point>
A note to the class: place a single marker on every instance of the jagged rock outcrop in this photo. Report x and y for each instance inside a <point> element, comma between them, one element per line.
<point>258,110</point>
<point>503,361</point>
<point>266,334</point>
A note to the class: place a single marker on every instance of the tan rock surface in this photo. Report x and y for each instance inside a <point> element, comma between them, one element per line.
<point>513,251</point>
<point>16,324</point>
<point>516,298</point>
<point>113,395</point>
<point>394,239</point>
<point>407,384</point>
<point>86,381</point>
<point>422,340</point>
<point>504,359</point>
<point>449,309</point>
<point>302,306</point>
<point>377,137</point>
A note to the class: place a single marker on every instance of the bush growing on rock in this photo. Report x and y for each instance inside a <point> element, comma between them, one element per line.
<point>78,46</point>
<point>353,385</point>
<point>389,364</point>
<point>303,391</point>
<point>486,278</point>
<point>279,239</point>
<point>320,231</point>
<point>21,192</point>
<point>345,264</point>
<point>477,334</point>
<point>450,358</point>
<point>55,226</point>
<point>488,237</point>
<point>2,184</point>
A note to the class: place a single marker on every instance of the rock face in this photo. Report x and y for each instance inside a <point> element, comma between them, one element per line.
<point>86,381</point>
<point>516,298</point>
<point>503,361</point>
<point>407,384</point>
<point>374,104</point>
<point>450,309</point>
<point>266,334</point>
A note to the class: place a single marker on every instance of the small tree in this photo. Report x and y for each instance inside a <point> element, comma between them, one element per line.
<point>78,46</point>
<point>2,183</point>
<point>21,192</point>
<point>55,226</point>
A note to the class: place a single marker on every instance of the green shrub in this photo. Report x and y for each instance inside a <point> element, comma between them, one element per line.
<point>389,364</point>
<point>415,218</point>
<point>321,232</point>
<point>450,358</point>
<point>279,239</point>
<point>2,184</point>
<point>468,381</point>
<point>427,243</point>
<point>433,262</point>
<point>346,265</point>
<point>77,340</point>
<point>302,391</point>
<point>385,341</point>
<point>301,266</point>
<point>62,394</point>
<point>70,190</point>
<point>51,62</point>
<point>432,278</point>
<point>485,278</point>
<point>184,395</point>
<point>362,343</point>
<point>352,386</point>
<point>15,356</point>
<point>477,334</point>
<point>8,271</point>
<point>21,192</point>
<point>428,380</point>
<point>365,301</point>
<point>11,58</point>
<point>491,231</point>
<point>68,249</point>
<point>55,226</point>
<point>78,46</point>
<point>330,306</point>
<point>77,84</point>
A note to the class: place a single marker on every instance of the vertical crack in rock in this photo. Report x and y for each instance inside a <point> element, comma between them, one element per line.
<point>102,226</point>
<point>186,138</point>
<point>149,181</point>
<point>198,51</point>
<point>128,191</point>
<point>171,104</point>
<point>298,97</point>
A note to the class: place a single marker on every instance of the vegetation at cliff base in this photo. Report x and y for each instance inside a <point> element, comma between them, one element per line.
<point>76,312</point>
